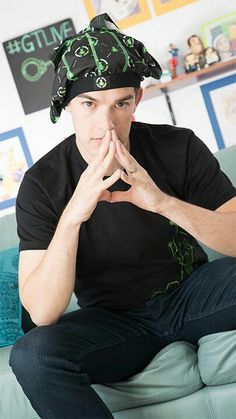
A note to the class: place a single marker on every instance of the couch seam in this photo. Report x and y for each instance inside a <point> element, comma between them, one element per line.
<point>209,403</point>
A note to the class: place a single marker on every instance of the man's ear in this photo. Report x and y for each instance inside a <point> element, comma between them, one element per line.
<point>138,97</point>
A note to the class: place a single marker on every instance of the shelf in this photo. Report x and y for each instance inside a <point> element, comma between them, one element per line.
<point>185,80</point>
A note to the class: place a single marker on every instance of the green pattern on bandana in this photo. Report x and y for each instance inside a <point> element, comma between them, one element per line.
<point>124,51</point>
<point>96,56</point>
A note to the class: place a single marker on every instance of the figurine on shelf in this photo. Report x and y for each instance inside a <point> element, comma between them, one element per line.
<point>172,67</point>
<point>174,51</point>
<point>222,45</point>
<point>211,56</point>
<point>174,61</point>
<point>191,63</point>
<point>166,75</point>
<point>196,47</point>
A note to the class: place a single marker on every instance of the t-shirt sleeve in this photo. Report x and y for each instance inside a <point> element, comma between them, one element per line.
<point>36,218</point>
<point>205,184</point>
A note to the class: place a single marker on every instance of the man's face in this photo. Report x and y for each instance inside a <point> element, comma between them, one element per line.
<point>93,113</point>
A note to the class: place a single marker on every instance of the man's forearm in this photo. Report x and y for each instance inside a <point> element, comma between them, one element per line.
<point>48,289</point>
<point>214,229</point>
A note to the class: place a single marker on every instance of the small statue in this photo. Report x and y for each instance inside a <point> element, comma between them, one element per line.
<point>173,50</point>
<point>196,47</point>
<point>211,56</point>
<point>166,75</point>
<point>173,62</point>
<point>191,63</point>
<point>222,44</point>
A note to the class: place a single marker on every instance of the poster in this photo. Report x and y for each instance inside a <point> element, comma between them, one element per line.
<point>32,70</point>
<point>124,13</point>
<point>220,101</point>
<point>220,33</point>
<point>15,159</point>
<point>165,6</point>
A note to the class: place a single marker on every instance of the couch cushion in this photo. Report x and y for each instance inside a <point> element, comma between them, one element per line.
<point>13,402</point>
<point>226,158</point>
<point>217,358</point>
<point>217,402</point>
<point>8,232</point>
<point>10,307</point>
<point>171,374</point>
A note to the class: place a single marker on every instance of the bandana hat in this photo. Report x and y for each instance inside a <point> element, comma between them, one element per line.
<point>99,57</point>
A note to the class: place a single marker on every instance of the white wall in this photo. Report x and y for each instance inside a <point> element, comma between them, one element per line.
<point>21,16</point>
<point>189,110</point>
<point>188,104</point>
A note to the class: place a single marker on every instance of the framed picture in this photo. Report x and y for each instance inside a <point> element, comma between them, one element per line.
<point>124,13</point>
<point>218,32</point>
<point>15,159</point>
<point>220,101</point>
<point>165,6</point>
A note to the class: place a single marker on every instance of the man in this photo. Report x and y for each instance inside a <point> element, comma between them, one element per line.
<point>113,213</point>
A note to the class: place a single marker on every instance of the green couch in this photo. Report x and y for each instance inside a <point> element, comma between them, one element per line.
<point>181,382</point>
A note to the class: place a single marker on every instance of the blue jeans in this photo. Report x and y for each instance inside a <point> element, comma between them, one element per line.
<point>56,364</point>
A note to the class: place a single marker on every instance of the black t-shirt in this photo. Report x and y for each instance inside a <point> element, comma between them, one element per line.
<point>126,255</point>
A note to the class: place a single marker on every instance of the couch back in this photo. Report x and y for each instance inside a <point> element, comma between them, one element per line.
<point>227,159</point>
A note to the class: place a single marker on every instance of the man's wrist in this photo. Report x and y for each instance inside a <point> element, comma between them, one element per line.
<point>69,222</point>
<point>167,205</point>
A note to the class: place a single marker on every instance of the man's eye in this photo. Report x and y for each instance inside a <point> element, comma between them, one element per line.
<point>88,104</point>
<point>122,105</point>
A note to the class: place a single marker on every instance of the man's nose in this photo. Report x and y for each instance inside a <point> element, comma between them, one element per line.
<point>106,121</point>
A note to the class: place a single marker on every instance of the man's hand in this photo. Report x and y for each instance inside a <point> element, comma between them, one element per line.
<point>143,193</point>
<point>91,187</point>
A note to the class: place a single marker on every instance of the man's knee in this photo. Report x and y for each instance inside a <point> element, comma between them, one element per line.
<point>28,352</point>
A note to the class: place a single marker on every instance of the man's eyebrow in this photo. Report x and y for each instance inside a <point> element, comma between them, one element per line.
<point>128,97</point>
<point>122,99</point>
